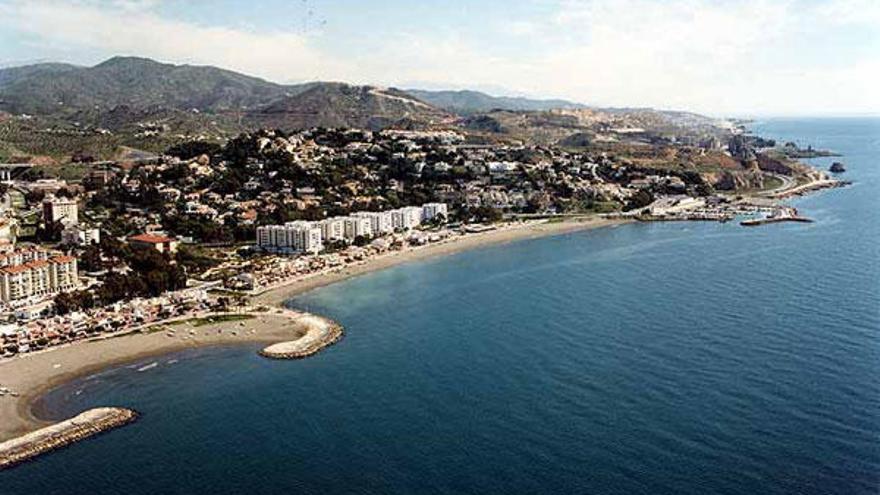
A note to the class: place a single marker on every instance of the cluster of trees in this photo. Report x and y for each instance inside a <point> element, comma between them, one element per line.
<point>208,231</point>
<point>638,200</point>
<point>151,273</point>
<point>485,214</point>
<point>192,149</point>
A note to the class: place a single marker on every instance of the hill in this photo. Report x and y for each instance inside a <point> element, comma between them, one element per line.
<point>62,109</point>
<point>343,105</point>
<point>58,89</point>
<point>467,102</point>
<point>125,93</point>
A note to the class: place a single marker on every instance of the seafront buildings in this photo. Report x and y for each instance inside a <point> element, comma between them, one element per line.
<point>31,274</point>
<point>46,332</point>
<point>310,237</point>
<point>299,237</point>
<point>381,222</point>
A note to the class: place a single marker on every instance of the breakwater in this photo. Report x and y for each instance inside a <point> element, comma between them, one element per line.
<point>763,221</point>
<point>320,334</point>
<point>58,435</point>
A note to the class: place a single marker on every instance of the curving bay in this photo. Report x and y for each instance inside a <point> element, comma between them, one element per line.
<point>645,358</point>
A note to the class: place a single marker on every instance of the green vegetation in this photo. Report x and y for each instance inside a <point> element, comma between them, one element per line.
<point>772,182</point>
<point>151,274</point>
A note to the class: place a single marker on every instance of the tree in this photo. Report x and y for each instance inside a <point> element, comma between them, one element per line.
<point>90,259</point>
<point>640,199</point>
<point>50,232</point>
<point>63,303</point>
<point>192,149</point>
<point>438,220</point>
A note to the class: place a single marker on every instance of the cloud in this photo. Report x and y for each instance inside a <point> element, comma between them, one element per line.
<point>743,56</point>
<point>129,27</point>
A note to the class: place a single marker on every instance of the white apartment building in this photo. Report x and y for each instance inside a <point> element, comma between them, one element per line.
<point>37,278</point>
<point>407,218</point>
<point>292,237</point>
<point>357,226</point>
<point>62,210</point>
<point>80,236</point>
<point>381,221</point>
<point>309,237</point>
<point>22,256</point>
<point>431,210</point>
<point>333,229</point>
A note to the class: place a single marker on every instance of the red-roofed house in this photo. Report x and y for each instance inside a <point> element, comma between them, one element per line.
<point>160,243</point>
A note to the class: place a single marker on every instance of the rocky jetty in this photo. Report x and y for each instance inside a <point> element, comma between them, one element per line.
<point>321,333</point>
<point>837,168</point>
<point>85,425</point>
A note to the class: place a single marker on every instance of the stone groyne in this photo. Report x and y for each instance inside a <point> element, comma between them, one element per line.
<point>320,334</point>
<point>58,435</point>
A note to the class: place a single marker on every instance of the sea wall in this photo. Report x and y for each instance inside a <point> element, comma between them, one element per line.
<point>58,435</point>
<point>320,334</point>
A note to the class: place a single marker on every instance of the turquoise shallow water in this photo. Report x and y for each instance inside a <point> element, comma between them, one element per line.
<point>694,358</point>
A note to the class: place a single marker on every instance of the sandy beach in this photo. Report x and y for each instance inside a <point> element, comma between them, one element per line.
<point>31,375</point>
<point>277,295</point>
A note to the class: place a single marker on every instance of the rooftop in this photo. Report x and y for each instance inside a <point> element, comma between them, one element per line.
<point>150,238</point>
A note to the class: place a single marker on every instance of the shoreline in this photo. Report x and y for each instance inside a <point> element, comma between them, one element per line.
<point>36,374</point>
<point>274,296</point>
<point>33,375</point>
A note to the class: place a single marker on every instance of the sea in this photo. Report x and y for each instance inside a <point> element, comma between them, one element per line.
<point>658,358</point>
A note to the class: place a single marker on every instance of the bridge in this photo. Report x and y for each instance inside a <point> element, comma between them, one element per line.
<point>7,170</point>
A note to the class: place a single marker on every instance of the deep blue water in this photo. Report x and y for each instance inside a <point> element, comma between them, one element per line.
<point>692,358</point>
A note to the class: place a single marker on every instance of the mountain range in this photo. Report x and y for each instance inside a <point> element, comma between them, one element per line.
<point>144,87</point>
<point>57,108</point>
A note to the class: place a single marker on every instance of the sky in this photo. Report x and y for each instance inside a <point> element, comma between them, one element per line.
<point>718,57</point>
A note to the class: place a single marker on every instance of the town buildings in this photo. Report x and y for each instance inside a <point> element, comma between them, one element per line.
<point>292,237</point>
<point>356,226</point>
<point>333,229</point>
<point>406,218</point>
<point>160,243</point>
<point>382,222</point>
<point>30,274</point>
<point>432,210</point>
<point>58,209</point>
<point>78,235</point>
<point>310,237</point>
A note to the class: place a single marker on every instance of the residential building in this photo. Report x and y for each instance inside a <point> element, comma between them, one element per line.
<point>37,278</point>
<point>58,209</point>
<point>333,229</point>
<point>406,218</point>
<point>381,221</point>
<point>357,226</point>
<point>431,210</point>
<point>78,235</point>
<point>160,243</point>
<point>22,256</point>
<point>292,237</point>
